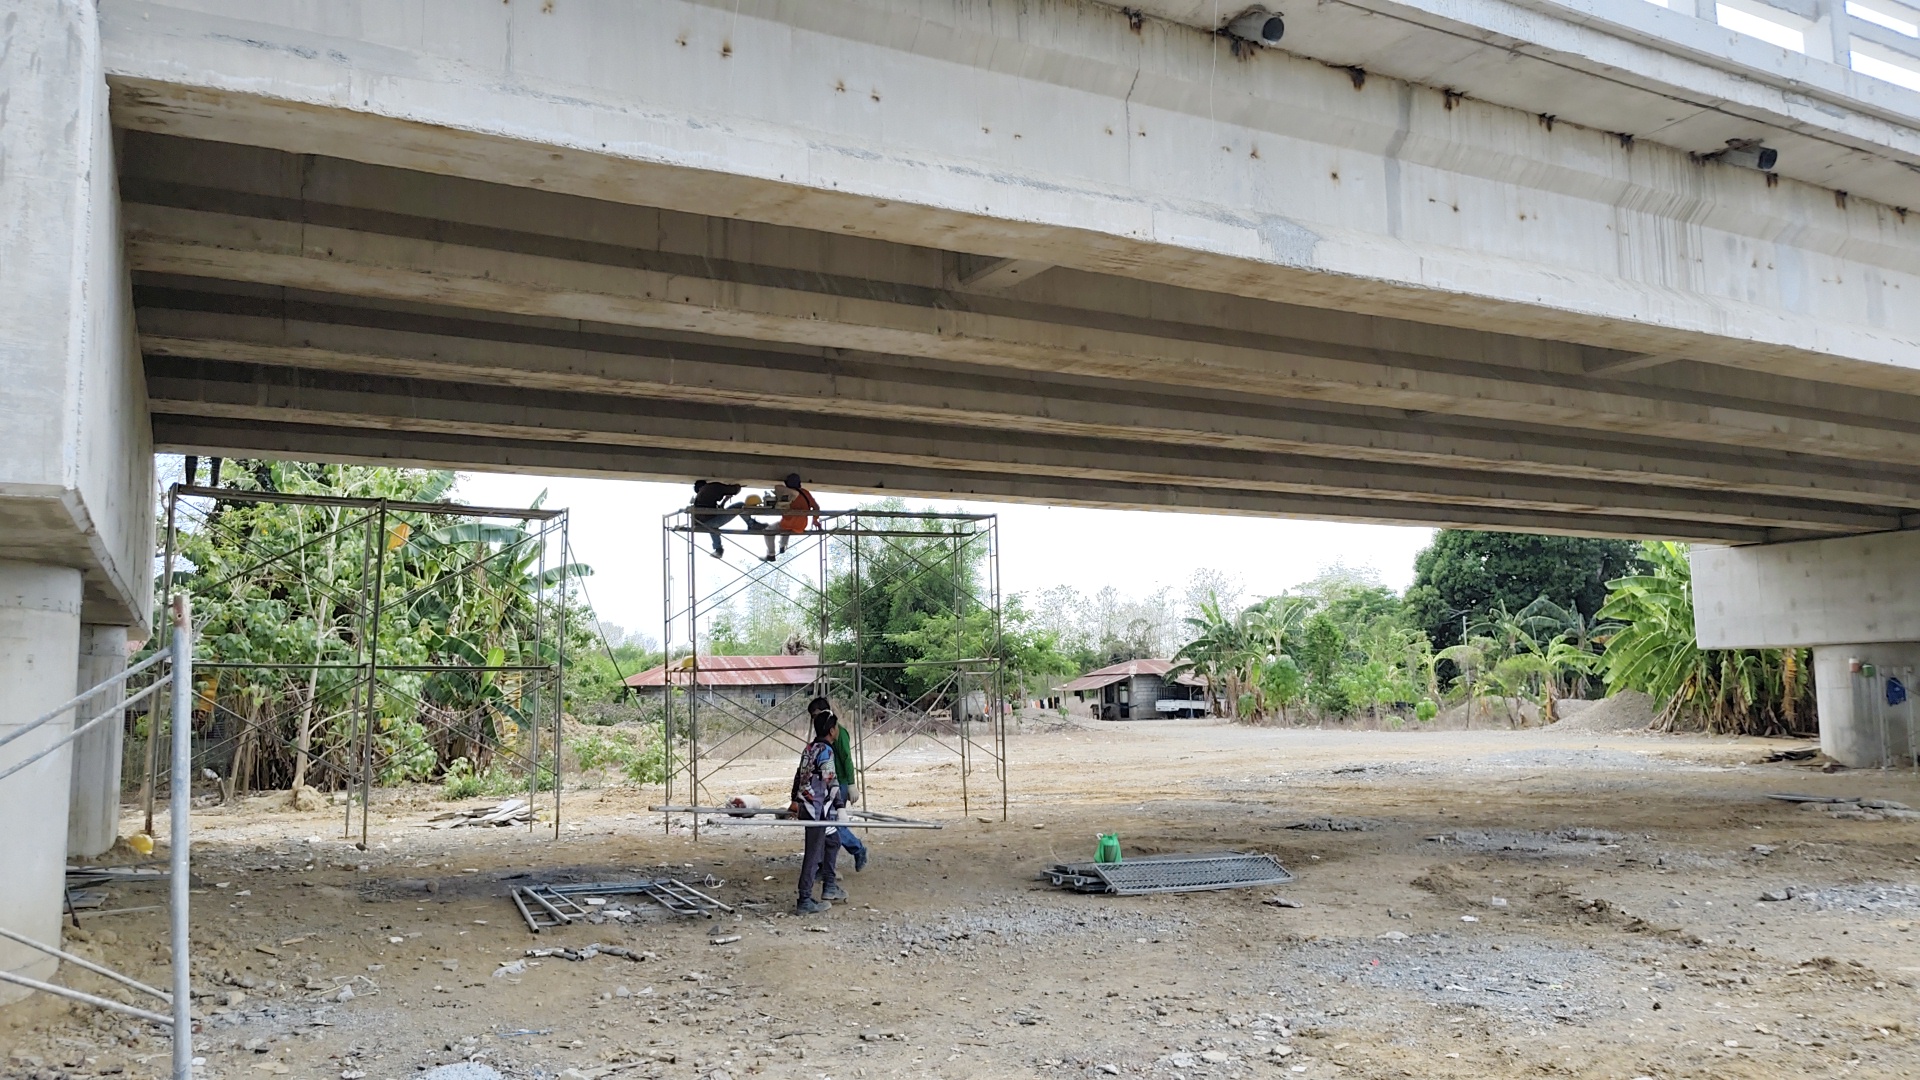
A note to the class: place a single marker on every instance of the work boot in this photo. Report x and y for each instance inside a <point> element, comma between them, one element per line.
<point>859,859</point>
<point>832,891</point>
<point>807,905</point>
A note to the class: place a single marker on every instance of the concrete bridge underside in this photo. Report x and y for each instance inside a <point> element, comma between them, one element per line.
<point>1126,270</point>
<point>298,305</point>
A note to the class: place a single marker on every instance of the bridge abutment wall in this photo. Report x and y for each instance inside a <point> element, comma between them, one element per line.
<point>76,461</point>
<point>1856,601</point>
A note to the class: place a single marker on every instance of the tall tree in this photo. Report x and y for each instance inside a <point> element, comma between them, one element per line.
<point>1473,574</point>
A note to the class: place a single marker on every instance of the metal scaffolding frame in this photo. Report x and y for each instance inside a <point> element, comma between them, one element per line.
<point>963,710</point>
<point>370,691</point>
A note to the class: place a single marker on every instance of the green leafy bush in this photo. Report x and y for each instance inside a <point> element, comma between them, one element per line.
<point>459,781</point>
<point>634,754</point>
<point>406,754</point>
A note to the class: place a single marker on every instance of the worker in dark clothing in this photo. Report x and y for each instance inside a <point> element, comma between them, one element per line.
<point>709,496</point>
<point>816,797</point>
<point>843,768</point>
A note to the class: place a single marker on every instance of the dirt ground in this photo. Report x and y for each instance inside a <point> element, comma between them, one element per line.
<point>1470,904</point>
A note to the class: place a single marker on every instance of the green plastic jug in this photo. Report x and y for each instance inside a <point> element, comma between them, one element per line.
<point>1109,849</point>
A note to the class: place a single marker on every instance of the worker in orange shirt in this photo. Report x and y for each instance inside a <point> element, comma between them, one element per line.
<point>803,512</point>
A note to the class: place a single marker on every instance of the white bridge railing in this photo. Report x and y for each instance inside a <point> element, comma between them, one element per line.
<point>1880,38</point>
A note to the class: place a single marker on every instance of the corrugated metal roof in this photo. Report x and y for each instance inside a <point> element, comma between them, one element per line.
<point>796,670</point>
<point>1094,680</point>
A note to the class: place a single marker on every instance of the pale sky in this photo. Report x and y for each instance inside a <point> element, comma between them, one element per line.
<point>615,528</point>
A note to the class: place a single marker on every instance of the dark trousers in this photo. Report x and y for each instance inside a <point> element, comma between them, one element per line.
<point>711,521</point>
<point>823,849</point>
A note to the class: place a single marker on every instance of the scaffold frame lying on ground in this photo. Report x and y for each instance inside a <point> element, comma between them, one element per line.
<point>364,687</point>
<point>858,819</point>
<point>826,580</point>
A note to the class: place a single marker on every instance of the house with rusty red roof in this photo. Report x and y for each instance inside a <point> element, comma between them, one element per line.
<point>758,680</point>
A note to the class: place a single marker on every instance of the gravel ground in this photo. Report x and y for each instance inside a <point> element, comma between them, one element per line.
<point>1593,915</point>
<point>1865,899</point>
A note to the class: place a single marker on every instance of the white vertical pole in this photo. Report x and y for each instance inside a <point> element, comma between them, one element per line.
<point>180,826</point>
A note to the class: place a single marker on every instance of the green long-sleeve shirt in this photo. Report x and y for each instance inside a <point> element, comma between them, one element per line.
<point>843,756</point>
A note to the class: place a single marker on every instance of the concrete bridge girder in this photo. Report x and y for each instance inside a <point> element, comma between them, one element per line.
<point>1376,200</point>
<point>833,383</point>
<point>388,405</point>
<point>395,268</point>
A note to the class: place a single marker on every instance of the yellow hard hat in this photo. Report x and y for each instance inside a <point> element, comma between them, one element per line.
<point>753,500</point>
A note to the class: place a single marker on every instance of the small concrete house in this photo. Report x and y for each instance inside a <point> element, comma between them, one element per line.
<point>1139,690</point>
<point>753,681</point>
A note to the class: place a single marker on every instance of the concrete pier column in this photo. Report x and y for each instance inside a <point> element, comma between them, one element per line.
<point>93,815</point>
<point>1867,707</point>
<point>1856,602</point>
<point>39,653</point>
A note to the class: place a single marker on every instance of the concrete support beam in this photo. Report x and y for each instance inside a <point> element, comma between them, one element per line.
<point>278,438</point>
<point>1844,591</point>
<point>39,653</point>
<point>327,191</point>
<point>1074,140</point>
<point>76,465</point>
<point>93,817</point>
<point>835,383</point>
<point>1621,365</point>
<point>76,472</point>
<point>994,275</point>
<point>267,394</point>
<point>1858,726</point>
<point>1855,600</point>
<point>402,268</point>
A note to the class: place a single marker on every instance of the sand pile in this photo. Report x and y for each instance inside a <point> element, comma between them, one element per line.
<point>1628,710</point>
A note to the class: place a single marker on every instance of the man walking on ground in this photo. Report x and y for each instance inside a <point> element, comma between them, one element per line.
<point>816,797</point>
<point>708,497</point>
<point>843,769</point>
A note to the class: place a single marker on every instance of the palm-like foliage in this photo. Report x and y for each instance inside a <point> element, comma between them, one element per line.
<point>282,586</point>
<point>1217,653</point>
<point>1741,691</point>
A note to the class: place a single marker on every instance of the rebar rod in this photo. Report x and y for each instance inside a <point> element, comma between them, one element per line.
<point>180,828</point>
<point>83,962</point>
<point>364,645</point>
<point>94,1000</point>
<point>560,673</point>
<point>117,711</point>
<point>373,675</point>
<point>91,691</point>
<point>152,784</point>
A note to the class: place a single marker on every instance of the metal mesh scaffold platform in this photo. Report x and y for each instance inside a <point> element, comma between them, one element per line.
<point>547,906</point>
<point>1171,874</point>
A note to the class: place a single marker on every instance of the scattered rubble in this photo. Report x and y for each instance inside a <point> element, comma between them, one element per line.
<point>511,812</point>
